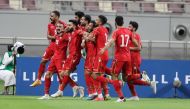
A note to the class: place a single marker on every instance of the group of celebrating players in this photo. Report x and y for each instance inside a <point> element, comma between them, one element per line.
<point>92,36</point>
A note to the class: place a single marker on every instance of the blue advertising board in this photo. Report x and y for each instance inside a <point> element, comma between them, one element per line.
<point>161,71</point>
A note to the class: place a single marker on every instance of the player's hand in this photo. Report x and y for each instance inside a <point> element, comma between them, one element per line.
<point>101,51</point>
<point>14,53</point>
<point>83,43</point>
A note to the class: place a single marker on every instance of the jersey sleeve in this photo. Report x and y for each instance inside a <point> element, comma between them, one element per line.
<point>139,39</point>
<point>131,35</point>
<point>95,32</point>
<point>114,36</point>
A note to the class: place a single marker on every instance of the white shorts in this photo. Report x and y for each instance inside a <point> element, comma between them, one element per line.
<point>8,77</point>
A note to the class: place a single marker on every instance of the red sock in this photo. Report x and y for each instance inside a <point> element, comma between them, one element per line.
<point>47,85</point>
<point>72,83</point>
<point>41,70</point>
<point>88,83</point>
<point>92,81</point>
<point>140,82</point>
<point>132,89</point>
<point>107,70</point>
<point>134,77</point>
<point>105,88</point>
<point>65,81</point>
<point>104,80</point>
<point>97,85</point>
<point>117,88</point>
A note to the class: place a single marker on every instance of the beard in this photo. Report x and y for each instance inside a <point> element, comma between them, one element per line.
<point>69,30</point>
<point>52,21</point>
<point>89,30</point>
<point>83,24</point>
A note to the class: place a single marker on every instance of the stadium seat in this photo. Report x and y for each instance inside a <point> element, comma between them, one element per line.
<point>133,7</point>
<point>91,6</point>
<point>105,6</point>
<point>119,6</point>
<point>161,7</point>
<point>78,5</point>
<point>29,4</point>
<point>176,8</point>
<point>186,0</point>
<point>163,0</point>
<point>187,8</point>
<point>148,7</point>
<point>4,4</point>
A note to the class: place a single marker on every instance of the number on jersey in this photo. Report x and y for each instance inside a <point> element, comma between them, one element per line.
<point>124,42</point>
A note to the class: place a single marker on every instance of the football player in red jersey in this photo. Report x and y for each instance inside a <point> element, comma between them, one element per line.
<point>136,61</point>
<point>99,36</point>
<point>56,63</point>
<point>122,58</point>
<point>89,48</point>
<point>54,18</point>
<point>74,56</point>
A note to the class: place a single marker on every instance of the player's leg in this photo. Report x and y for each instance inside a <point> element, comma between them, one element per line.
<point>98,69</point>
<point>47,84</point>
<point>135,70</point>
<point>48,75</point>
<point>46,57</point>
<point>116,69</point>
<point>105,91</point>
<point>97,85</point>
<point>76,88</point>
<point>92,93</point>
<point>136,80</point>
<point>108,70</point>
<point>69,65</point>
<point>59,64</point>
<point>89,83</point>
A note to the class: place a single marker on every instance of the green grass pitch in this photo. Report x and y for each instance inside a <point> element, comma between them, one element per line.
<point>31,102</point>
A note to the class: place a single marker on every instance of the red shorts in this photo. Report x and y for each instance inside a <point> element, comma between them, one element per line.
<point>124,66</point>
<point>49,51</point>
<point>71,62</point>
<point>88,65</point>
<point>56,65</point>
<point>99,65</point>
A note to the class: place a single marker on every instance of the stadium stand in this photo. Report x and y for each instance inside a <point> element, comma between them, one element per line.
<point>119,6</point>
<point>4,4</point>
<point>91,6</point>
<point>122,6</point>
<point>29,4</point>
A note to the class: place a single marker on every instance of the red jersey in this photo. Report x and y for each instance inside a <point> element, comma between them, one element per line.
<point>101,35</point>
<point>122,37</point>
<point>136,53</point>
<point>75,43</point>
<point>61,46</point>
<point>90,49</point>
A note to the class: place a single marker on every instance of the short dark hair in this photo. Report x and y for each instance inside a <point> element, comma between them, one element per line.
<point>103,19</point>
<point>119,20</point>
<point>134,24</point>
<point>9,47</point>
<point>80,14</point>
<point>75,22</point>
<point>94,23</point>
<point>57,13</point>
<point>87,18</point>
